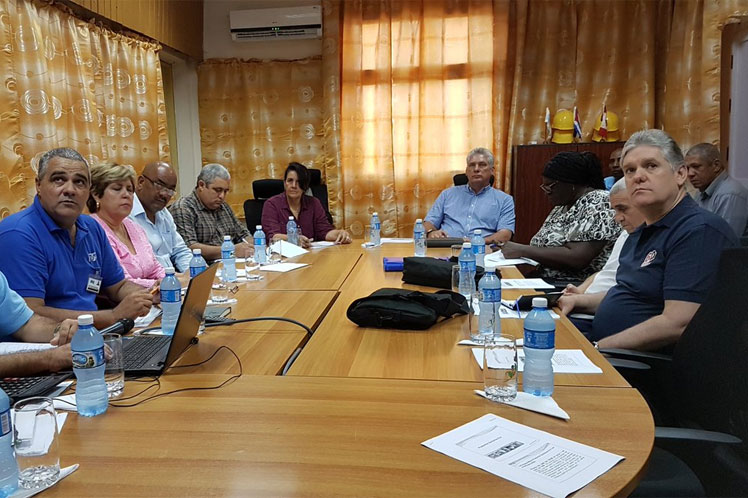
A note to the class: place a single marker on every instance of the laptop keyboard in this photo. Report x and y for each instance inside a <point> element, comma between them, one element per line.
<point>27,387</point>
<point>139,352</point>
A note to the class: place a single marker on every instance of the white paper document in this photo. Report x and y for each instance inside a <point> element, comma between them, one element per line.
<point>286,249</point>
<point>525,283</point>
<point>144,321</point>
<point>321,244</point>
<point>570,361</point>
<point>499,259</point>
<point>23,347</point>
<point>505,312</point>
<point>394,240</point>
<point>540,404</point>
<point>535,459</point>
<point>283,267</point>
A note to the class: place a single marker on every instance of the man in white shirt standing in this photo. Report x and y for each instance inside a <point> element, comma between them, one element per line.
<point>155,188</point>
<point>629,218</point>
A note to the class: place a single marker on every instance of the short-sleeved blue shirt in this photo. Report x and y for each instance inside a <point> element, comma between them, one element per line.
<point>40,262</point>
<point>13,310</point>
<point>459,211</point>
<point>673,259</point>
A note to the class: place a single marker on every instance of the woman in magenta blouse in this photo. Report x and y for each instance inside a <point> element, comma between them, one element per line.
<point>110,203</point>
<point>307,211</point>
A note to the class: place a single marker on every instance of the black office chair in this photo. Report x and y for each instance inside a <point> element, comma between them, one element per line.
<point>462,179</point>
<point>319,190</point>
<point>253,213</point>
<point>703,389</point>
<point>265,189</point>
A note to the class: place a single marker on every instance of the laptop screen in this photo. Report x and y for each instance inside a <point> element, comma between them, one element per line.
<point>191,314</point>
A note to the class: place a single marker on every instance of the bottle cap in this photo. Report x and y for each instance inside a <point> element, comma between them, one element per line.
<point>258,227</point>
<point>467,245</point>
<point>84,320</point>
<point>290,218</point>
<point>374,213</point>
<point>169,270</point>
<point>539,302</point>
<point>476,231</point>
<point>419,220</point>
<point>227,237</point>
<point>197,252</point>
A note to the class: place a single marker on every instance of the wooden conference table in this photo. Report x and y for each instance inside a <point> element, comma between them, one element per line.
<point>350,418</point>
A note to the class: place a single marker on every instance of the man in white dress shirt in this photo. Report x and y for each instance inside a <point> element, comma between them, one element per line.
<point>155,188</point>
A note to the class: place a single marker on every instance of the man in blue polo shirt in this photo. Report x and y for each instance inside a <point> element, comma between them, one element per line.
<point>59,260</point>
<point>19,323</point>
<point>668,264</point>
<point>460,210</point>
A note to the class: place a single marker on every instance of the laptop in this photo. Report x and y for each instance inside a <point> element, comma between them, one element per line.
<point>149,356</point>
<point>29,387</point>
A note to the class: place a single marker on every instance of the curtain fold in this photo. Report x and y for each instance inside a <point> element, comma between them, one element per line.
<point>257,116</point>
<point>74,84</point>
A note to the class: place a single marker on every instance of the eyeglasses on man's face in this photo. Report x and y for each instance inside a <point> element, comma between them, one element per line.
<point>161,186</point>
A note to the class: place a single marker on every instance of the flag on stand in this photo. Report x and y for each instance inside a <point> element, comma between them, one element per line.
<point>603,132</point>
<point>577,125</point>
<point>548,130</point>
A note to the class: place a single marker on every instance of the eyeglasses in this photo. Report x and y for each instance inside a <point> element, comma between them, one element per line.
<point>161,186</point>
<point>548,188</point>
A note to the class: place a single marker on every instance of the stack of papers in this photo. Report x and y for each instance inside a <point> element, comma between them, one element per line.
<point>283,267</point>
<point>535,459</point>
<point>572,361</point>
<point>286,249</point>
<point>23,347</point>
<point>525,283</point>
<point>498,258</point>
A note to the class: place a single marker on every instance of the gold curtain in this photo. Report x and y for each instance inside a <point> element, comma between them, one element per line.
<point>424,81</point>
<point>416,96</point>
<point>69,83</point>
<point>257,116</point>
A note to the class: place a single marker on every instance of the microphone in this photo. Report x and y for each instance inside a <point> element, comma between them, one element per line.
<point>121,327</point>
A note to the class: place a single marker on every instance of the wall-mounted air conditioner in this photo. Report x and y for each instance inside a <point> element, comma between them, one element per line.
<point>276,24</point>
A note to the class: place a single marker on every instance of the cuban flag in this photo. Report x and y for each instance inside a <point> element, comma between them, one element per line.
<point>548,130</point>
<point>603,132</point>
<point>577,125</point>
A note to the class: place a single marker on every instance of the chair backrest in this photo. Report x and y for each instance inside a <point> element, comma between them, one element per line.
<point>315,177</point>
<point>710,361</point>
<point>320,192</point>
<point>253,213</point>
<point>265,189</point>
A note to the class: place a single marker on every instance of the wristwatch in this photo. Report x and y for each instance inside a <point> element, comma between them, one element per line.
<point>429,231</point>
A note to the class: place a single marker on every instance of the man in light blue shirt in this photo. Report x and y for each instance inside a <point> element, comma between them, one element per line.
<point>460,210</point>
<point>19,323</point>
<point>154,189</point>
<point>718,193</point>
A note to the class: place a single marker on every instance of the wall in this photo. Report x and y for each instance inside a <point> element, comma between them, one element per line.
<point>217,38</point>
<point>175,23</point>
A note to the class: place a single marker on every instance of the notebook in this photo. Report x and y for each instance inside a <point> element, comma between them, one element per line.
<point>150,355</point>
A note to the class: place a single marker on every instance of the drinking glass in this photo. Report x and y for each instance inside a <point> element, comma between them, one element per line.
<point>252,269</point>
<point>273,257</point>
<point>114,374</point>
<point>500,367</point>
<point>456,250</point>
<point>36,442</point>
<point>456,278</point>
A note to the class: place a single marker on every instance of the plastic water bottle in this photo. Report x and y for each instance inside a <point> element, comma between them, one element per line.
<point>8,464</point>
<point>228,273</point>
<point>489,301</point>
<point>292,231</point>
<point>539,346</point>
<point>89,364</point>
<point>479,247</point>
<point>260,246</point>
<point>419,238</point>
<point>197,263</point>
<point>376,230</point>
<point>466,260</point>
<point>171,301</point>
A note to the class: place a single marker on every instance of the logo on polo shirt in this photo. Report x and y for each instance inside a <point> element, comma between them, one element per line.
<point>92,257</point>
<point>650,257</point>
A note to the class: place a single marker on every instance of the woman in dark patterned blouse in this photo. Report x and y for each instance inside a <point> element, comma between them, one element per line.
<point>579,232</point>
